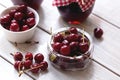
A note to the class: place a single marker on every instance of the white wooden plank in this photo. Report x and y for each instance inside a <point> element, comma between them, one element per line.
<point>7,72</point>
<point>109,10</point>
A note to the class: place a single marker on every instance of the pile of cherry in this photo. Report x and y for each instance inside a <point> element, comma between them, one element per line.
<point>29,62</point>
<point>19,19</point>
<point>72,42</point>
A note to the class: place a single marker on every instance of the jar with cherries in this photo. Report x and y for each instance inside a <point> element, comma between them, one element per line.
<point>74,11</point>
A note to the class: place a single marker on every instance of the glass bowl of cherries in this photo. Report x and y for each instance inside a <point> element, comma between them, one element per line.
<point>19,23</point>
<point>70,48</point>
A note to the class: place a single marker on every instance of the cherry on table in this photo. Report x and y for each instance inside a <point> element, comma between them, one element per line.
<point>27,64</point>
<point>18,65</point>
<point>38,58</point>
<point>98,32</point>
<point>35,68</point>
<point>45,65</point>
<point>29,56</point>
<point>18,56</point>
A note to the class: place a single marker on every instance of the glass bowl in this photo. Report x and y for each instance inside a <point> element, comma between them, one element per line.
<point>73,63</point>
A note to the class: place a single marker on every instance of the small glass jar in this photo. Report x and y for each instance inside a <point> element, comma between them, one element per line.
<point>67,62</point>
<point>73,13</point>
<point>35,4</point>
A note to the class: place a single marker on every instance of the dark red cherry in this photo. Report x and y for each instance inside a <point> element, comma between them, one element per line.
<point>18,16</point>
<point>98,32</point>
<point>83,47</point>
<point>22,8</point>
<point>18,56</point>
<point>56,46</point>
<point>73,37</point>
<point>45,65</point>
<point>14,21</point>
<point>65,50</point>
<point>12,12</point>
<point>30,14</point>
<point>39,58</point>
<point>30,22</point>
<point>73,30</point>
<point>29,56</point>
<point>27,64</point>
<point>35,68</point>
<point>5,19</point>
<point>25,27</point>
<point>74,46</point>
<point>58,37</point>
<point>14,27</point>
<point>18,65</point>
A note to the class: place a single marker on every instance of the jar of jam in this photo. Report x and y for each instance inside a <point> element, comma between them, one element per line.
<point>31,3</point>
<point>74,11</point>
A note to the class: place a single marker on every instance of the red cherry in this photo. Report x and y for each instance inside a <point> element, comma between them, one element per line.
<point>30,14</point>
<point>74,46</point>
<point>58,37</point>
<point>83,47</point>
<point>98,32</point>
<point>14,21</point>
<point>12,12</point>
<point>14,27</point>
<point>18,65</point>
<point>5,19</point>
<point>29,56</point>
<point>27,64</point>
<point>22,8</point>
<point>73,30</point>
<point>73,37</point>
<point>45,65</point>
<point>18,16</point>
<point>30,22</point>
<point>34,68</point>
<point>39,58</point>
<point>65,50</point>
<point>18,56</point>
<point>56,46</point>
<point>25,27</point>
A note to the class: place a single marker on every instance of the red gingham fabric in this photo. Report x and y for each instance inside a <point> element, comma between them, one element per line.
<point>84,4</point>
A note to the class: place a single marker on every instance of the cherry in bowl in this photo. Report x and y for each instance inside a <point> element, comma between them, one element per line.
<point>19,24</point>
<point>73,51</point>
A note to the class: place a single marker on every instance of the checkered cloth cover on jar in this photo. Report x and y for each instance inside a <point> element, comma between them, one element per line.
<point>84,4</point>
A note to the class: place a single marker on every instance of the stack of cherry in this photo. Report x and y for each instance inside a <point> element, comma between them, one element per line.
<point>19,19</point>
<point>70,43</point>
<point>27,64</point>
<point>70,49</point>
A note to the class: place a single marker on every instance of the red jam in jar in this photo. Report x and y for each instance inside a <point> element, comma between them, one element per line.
<point>75,12</point>
<point>31,3</point>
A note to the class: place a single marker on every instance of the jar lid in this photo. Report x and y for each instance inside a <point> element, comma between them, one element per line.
<point>84,4</point>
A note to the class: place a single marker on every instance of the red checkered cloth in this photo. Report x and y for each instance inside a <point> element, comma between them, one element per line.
<point>84,4</point>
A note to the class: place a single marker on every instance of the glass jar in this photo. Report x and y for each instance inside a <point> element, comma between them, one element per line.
<point>72,12</point>
<point>70,62</point>
<point>31,3</point>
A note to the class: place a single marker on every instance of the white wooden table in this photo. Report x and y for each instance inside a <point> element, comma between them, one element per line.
<point>106,55</point>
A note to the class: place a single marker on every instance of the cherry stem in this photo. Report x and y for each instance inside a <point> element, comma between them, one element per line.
<point>51,30</point>
<point>23,71</point>
<point>12,54</point>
